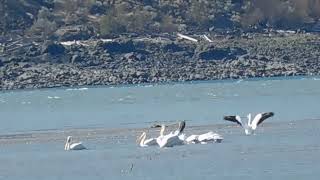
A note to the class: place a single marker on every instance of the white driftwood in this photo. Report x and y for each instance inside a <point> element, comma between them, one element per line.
<point>187,37</point>
<point>207,38</point>
<point>83,43</point>
<point>68,43</point>
<point>106,40</point>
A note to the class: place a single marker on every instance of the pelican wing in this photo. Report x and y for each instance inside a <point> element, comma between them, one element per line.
<point>77,146</point>
<point>192,139</point>
<point>210,137</point>
<point>233,119</point>
<point>150,142</point>
<point>206,137</point>
<point>173,141</point>
<point>169,140</point>
<point>259,118</point>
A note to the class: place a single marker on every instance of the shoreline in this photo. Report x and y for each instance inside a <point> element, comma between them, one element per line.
<point>165,59</point>
<point>314,77</point>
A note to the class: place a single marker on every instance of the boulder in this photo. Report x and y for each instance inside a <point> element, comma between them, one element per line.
<point>124,46</point>
<point>70,33</point>
<point>52,48</point>
<point>213,53</point>
<point>97,8</point>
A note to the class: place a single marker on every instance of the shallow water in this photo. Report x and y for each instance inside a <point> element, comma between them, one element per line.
<point>138,106</point>
<point>35,124</point>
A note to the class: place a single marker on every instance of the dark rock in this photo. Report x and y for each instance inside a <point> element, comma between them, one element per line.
<point>52,48</point>
<point>97,8</point>
<point>286,58</point>
<point>131,57</point>
<point>223,22</point>
<point>212,53</point>
<point>215,54</point>
<point>119,47</point>
<point>33,51</point>
<point>172,47</point>
<point>70,33</point>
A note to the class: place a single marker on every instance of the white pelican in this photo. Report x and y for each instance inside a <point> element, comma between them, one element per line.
<point>173,138</point>
<point>204,138</point>
<point>73,146</point>
<point>143,142</point>
<point>251,126</point>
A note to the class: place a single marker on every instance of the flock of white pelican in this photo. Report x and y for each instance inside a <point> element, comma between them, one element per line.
<point>178,137</point>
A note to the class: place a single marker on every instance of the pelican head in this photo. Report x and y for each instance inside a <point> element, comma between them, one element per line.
<point>69,138</point>
<point>163,127</point>
<point>182,125</point>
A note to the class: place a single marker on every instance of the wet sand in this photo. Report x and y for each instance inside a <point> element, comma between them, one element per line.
<point>279,150</point>
<point>128,135</point>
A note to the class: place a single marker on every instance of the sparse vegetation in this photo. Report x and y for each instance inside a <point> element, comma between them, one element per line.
<point>110,16</point>
<point>167,24</point>
<point>2,17</point>
<point>73,11</point>
<point>109,23</point>
<point>44,26</point>
<point>281,13</point>
<point>130,59</point>
<point>199,12</point>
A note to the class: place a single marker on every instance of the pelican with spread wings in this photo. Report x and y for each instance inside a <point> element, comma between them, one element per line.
<point>250,126</point>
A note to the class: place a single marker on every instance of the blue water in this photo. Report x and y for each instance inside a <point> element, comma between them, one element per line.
<point>135,106</point>
<point>286,146</point>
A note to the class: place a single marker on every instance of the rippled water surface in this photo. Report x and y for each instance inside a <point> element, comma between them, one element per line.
<point>34,125</point>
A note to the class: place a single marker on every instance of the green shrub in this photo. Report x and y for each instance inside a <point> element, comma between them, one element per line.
<point>280,13</point>
<point>167,24</point>
<point>43,26</point>
<point>110,24</point>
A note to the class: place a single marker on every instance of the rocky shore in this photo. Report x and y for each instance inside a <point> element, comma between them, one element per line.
<point>131,59</point>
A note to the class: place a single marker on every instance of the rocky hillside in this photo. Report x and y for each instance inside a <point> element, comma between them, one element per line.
<point>159,59</point>
<point>53,43</point>
<point>51,18</point>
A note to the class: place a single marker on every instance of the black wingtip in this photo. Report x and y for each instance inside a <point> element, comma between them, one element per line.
<point>269,114</point>
<point>228,118</point>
